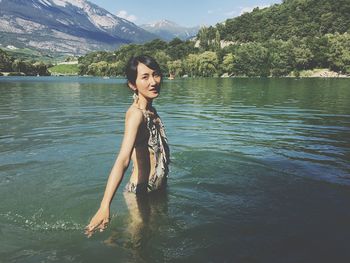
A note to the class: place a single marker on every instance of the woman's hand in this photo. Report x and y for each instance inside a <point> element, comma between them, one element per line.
<point>98,222</point>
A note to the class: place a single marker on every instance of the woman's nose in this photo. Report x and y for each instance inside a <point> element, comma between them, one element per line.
<point>152,80</point>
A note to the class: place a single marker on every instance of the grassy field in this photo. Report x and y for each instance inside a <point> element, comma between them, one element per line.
<point>64,69</point>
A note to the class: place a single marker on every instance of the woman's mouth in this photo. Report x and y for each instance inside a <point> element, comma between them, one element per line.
<point>154,90</point>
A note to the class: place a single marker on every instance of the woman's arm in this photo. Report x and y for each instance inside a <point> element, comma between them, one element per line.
<point>133,120</point>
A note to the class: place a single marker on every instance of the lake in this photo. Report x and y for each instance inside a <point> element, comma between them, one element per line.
<point>260,171</point>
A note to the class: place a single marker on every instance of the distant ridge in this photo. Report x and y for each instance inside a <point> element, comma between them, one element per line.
<point>168,30</point>
<point>65,26</point>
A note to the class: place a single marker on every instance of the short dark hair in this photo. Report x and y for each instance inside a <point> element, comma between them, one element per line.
<point>131,67</point>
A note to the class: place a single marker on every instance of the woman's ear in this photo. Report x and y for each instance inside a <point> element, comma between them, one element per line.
<point>131,86</point>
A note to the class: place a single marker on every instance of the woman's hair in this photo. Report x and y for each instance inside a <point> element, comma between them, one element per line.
<point>131,67</point>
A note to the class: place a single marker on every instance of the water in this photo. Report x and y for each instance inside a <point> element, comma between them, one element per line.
<point>260,172</point>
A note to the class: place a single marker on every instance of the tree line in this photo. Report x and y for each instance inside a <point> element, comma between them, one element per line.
<point>280,40</point>
<point>22,67</point>
<point>270,58</point>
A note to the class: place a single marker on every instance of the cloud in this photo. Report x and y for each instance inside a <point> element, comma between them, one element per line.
<point>215,11</point>
<point>124,14</point>
<point>248,9</point>
<point>241,10</point>
<point>231,13</point>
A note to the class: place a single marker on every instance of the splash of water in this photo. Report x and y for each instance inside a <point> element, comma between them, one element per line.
<point>37,222</point>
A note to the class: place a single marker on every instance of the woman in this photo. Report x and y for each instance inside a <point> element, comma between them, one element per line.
<point>144,141</point>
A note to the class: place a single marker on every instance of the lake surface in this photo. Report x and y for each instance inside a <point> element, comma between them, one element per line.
<point>260,171</point>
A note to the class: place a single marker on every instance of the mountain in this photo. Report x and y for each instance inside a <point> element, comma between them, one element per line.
<point>65,26</point>
<point>167,30</point>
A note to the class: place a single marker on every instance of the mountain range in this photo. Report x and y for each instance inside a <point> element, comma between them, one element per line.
<point>74,27</point>
<point>168,30</point>
<point>65,26</point>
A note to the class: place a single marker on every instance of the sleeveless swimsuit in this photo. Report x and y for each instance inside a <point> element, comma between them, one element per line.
<point>158,144</point>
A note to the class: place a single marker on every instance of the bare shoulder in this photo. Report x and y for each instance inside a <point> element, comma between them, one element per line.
<point>134,115</point>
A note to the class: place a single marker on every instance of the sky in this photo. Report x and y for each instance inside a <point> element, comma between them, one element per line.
<point>186,13</point>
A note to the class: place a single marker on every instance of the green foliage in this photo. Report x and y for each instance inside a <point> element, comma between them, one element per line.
<point>227,63</point>
<point>94,57</point>
<point>30,68</point>
<point>203,38</point>
<point>298,18</point>
<point>19,66</point>
<point>281,57</point>
<point>162,59</point>
<point>100,68</point>
<point>40,68</point>
<point>178,49</point>
<point>217,40</point>
<point>70,59</point>
<point>175,67</point>
<point>116,69</point>
<point>208,63</point>
<point>192,65</point>
<point>339,52</point>
<point>5,61</point>
<point>251,59</point>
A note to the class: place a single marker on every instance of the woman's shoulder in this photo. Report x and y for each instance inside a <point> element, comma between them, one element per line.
<point>134,113</point>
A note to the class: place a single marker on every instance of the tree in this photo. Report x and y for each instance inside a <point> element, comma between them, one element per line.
<point>41,69</point>
<point>251,59</point>
<point>319,47</point>
<point>217,40</point>
<point>203,38</point>
<point>5,61</point>
<point>208,63</point>
<point>281,57</point>
<point>26,67</point>
<point>19,65</point>
<point>175,67</point>
<point>339,52</point>
<point>116,69</point>
<point>98,69</point>
<point>178,49</point>
<point>155,45</point>
<point>162,58</point>
<point>192,64</point>
<point>227,63</point>
<point>303,57</point>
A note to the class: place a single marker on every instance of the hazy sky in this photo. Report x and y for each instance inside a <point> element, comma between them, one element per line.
<point>183,12</point>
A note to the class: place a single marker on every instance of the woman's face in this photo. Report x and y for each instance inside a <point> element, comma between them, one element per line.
<point>147,82</point>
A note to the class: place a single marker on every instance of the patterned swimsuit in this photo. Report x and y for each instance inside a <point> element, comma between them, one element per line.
<point>158,144</point>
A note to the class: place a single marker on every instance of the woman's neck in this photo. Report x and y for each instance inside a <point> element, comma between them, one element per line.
<point>143,104</point>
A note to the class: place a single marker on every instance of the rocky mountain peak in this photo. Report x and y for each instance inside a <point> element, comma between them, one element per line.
<point>67,26</point>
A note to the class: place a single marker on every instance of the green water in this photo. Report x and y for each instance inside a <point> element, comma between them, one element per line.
<point>260,171</point>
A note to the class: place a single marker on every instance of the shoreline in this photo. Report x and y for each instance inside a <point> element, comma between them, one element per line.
<point>311,73</point>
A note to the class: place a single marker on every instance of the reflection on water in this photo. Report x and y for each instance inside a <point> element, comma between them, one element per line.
<point>260,172</point>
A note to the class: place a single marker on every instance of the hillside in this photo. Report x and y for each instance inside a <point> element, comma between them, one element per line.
<point>292,18</point>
